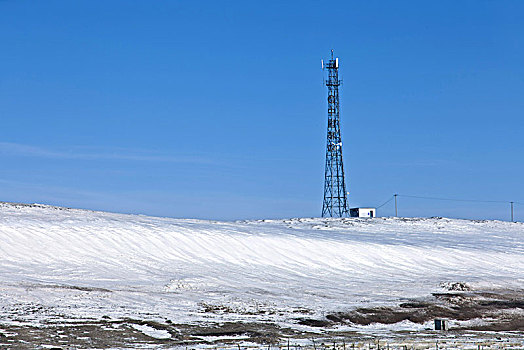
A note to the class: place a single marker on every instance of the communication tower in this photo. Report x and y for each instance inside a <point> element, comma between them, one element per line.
<point>335,202</point>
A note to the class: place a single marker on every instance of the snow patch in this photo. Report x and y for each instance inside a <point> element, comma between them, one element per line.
<point>152,332</point>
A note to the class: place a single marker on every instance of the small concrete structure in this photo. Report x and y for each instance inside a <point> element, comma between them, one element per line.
<point>363,212</point>
<point>441,324</point>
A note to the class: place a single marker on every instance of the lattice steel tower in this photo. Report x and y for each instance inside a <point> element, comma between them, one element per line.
<point>335,196</point>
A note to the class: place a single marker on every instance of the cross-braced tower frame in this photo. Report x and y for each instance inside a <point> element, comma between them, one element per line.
<point>335,196</point>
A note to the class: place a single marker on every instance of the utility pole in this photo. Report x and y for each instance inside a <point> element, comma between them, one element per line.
<point>396,212</point>
<point>335,203</point>
<point>512,212</point>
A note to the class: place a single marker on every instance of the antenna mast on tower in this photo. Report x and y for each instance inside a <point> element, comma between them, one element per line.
<point>335,202</point>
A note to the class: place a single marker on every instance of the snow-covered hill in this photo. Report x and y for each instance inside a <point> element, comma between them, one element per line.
<point>60,264</point>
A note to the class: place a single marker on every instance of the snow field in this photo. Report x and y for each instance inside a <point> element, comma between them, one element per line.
<point>85,264</point>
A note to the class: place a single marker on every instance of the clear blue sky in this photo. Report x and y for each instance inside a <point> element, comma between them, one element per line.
<point>216,109</point>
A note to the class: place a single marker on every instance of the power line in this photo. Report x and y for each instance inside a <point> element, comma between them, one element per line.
<point>456,199</point>
<point>449,199</point>
<point>386,202</point>
<point>512,203</point>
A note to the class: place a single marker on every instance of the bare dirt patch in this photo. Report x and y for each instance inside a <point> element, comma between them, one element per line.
<point>498,310</point>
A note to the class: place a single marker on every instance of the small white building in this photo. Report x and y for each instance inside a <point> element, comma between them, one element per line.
<point>363,212</point>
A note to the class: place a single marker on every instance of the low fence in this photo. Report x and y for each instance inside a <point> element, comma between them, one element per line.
<point>477,341</point>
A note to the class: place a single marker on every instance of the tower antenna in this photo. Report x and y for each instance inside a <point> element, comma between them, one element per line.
<point>335,202</point>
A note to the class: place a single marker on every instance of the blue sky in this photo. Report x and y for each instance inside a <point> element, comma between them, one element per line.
<point>217,110</point>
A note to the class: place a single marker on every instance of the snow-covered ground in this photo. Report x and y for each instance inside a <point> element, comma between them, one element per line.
<point>62,265</point>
